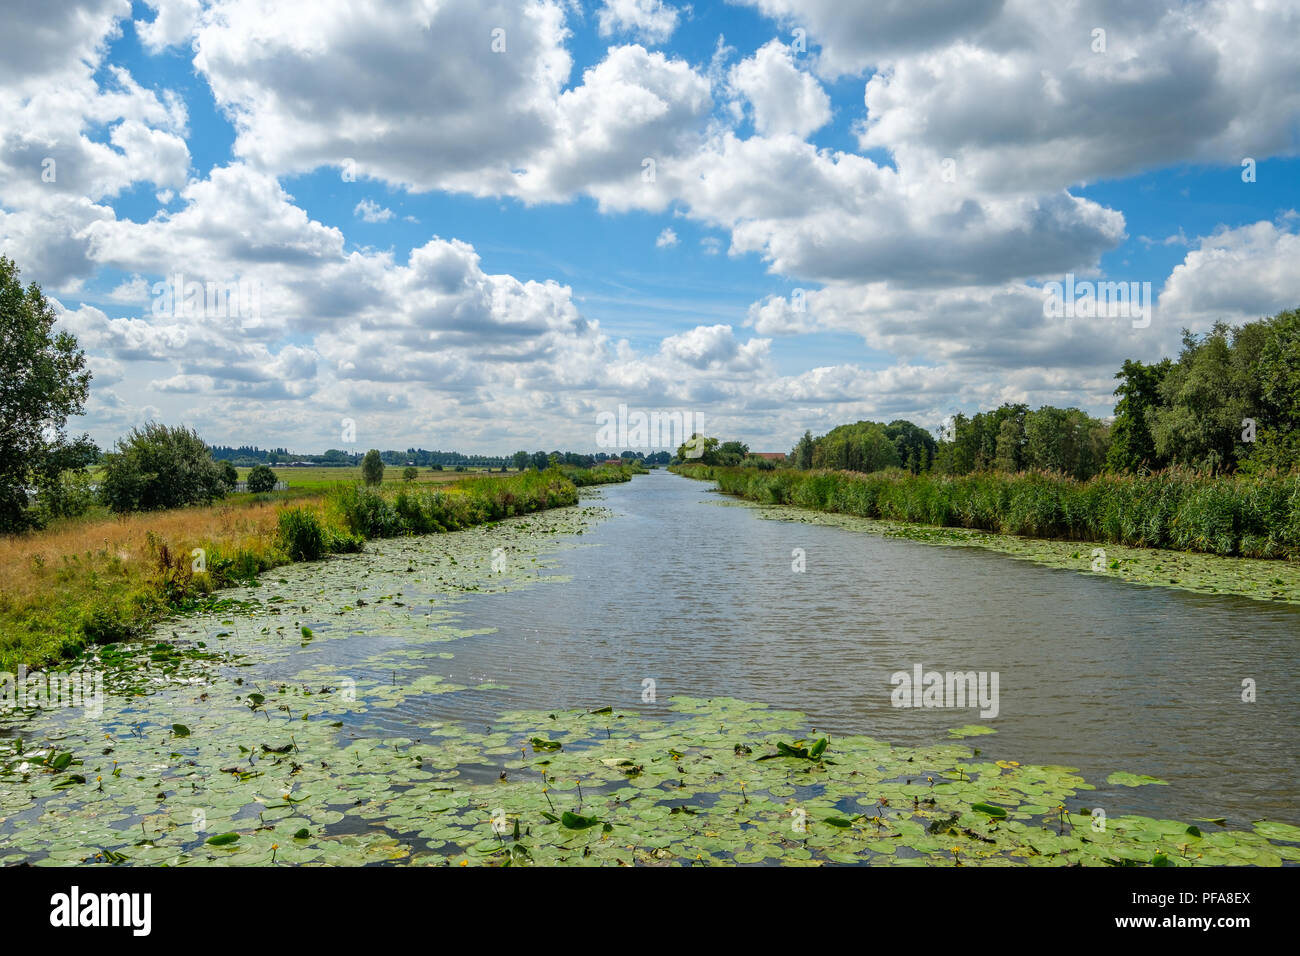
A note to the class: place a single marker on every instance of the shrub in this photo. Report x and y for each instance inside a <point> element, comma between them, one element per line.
<point>160,467</point>
<point>261,478</point>
<point>302,534</point>
<point>409,473</point>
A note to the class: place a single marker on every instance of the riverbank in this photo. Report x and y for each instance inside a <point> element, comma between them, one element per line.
<point>1260,579</point>
<point>106,580</point>
<point>295,724</point>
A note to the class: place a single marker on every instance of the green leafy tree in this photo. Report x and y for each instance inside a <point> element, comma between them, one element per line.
<point>409,473</point>
<point>700,449</point>
<point>372,467</point>
<point>43,381</point>
<point>261,479</point>
<point>229,475</point>
<point>801,455</point>
<point>862,446</point>
<point>1131,444</point>
<point>1204,398</point>
<point>160,467</point>
<point>1277,372</point>
<point>520,460</point>
<point>731,453</point>
<point>916,446</point>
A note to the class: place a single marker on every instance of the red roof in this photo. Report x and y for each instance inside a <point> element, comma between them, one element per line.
<point>770,455</point>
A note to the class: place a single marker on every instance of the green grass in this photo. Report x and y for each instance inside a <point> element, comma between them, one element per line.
<point>101,579</point>
<point>1255,517</point>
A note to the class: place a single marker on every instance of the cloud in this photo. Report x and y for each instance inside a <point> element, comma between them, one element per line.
<point>1236,275</point>
<point>370,211</point>
<point>785,100</point>
<point>667,239</point>
<point>653,21</point>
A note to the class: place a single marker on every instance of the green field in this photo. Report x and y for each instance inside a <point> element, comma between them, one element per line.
<point>317,480</point>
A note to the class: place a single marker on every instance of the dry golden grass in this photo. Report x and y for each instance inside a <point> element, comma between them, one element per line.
<point>28,562</point>
<point>52,579</point>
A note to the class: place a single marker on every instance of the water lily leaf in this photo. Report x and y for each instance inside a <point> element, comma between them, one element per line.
<point>575,822</point>
<point>1124,779</point>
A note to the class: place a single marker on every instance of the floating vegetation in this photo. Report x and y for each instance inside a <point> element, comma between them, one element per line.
<point>227,739</point>
<point>714,781</point>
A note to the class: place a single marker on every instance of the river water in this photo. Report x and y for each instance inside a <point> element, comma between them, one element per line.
<point>696,592</point>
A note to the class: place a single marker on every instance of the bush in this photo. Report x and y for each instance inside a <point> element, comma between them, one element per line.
<point>409,473</point>
<point>302,534</point>
<point>160,467</point>
<point>229,475</point>
<point>261,478</point>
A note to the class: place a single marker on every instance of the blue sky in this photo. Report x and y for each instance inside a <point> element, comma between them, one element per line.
<point>455,246</point>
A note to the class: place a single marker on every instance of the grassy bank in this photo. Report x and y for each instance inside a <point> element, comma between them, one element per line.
<point>1247,517</point>
<point>106,579</point>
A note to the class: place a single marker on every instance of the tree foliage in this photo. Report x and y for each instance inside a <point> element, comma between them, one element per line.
<point>261,479</point>
<point>372,467</point>
<point>160,467</point>
<point>43,381</point>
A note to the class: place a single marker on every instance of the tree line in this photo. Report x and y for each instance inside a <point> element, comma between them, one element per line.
<point>1230,402</point>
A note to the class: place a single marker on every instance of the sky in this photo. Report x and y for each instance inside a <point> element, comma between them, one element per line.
<point>482,225</point>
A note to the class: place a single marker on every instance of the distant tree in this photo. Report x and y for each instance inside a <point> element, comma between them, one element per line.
<point>521,459</point>
<point>915,445</point>
<point>862,446</point>
<point>435,467</point>
<point>1010,449</point>
<point>699,449</point>
<point>261,479</point>
<point>372,467</point>
<point>160,467</point>
<point>801,454</point>
<point>43,381</point>
<point>409,473</point>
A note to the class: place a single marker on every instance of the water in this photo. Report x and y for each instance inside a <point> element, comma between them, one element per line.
<point>697,593</point>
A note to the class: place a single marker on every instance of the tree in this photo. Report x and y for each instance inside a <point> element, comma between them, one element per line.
<point>1204,398</point>
<point>520,460</point>
<point>915,445</point>
<point>700,449</point>
<point>862,446</point>
<point>802,454</point>
<point>1131,444</point>
<point>1010,455</point>
<point>261,479</point>
<point>1278,374</point>
<point>43,381</point>
<point>229,475</point>
<point>372,467</point>
<point>160,467</point>
<point>409,473</point>
<point>730,453</point>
